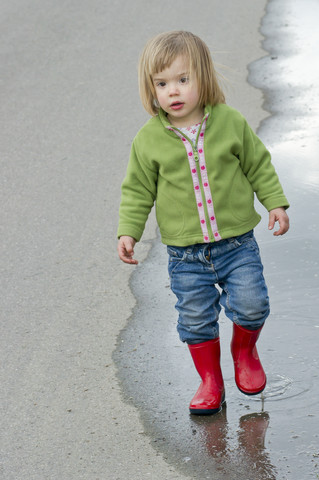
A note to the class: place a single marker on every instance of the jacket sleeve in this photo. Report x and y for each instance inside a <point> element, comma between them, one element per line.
<point>256,164</point>
<point>138,195</point>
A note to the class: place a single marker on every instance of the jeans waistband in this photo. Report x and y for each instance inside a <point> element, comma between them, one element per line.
<point>204,250</point>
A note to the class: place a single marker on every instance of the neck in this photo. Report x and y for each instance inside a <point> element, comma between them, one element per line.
<point>181,123</point>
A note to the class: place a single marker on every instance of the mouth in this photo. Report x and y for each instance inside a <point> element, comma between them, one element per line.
<point>177,105</point>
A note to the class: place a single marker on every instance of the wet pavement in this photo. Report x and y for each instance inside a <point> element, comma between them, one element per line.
<point>274,436</point>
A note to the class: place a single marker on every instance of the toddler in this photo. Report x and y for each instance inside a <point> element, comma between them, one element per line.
<point>199,161</point>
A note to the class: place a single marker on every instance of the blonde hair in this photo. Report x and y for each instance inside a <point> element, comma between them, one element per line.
<point>161,51</point>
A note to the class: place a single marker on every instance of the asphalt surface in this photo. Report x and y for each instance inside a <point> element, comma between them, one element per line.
<point>69,110</point>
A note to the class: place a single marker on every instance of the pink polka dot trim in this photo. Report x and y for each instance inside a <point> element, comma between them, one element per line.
<point>201,171</point>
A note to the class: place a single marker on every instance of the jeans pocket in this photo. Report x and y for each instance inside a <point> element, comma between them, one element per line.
<point>176,253</point>
<point>247,240</point>
<point>177,256</point>
<point>251,243</point>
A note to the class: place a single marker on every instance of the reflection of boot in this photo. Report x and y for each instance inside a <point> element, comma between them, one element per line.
<point>213,432</point>
<point>253,429</point>
<point>210,395</point>
<point>249,373</point>
<point>251,440</point>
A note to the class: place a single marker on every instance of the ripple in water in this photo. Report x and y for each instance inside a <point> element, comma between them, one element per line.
<point>280,387</point>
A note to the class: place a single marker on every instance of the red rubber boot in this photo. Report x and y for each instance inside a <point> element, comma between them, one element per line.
<point>211,394</point>
<point>249,373</point>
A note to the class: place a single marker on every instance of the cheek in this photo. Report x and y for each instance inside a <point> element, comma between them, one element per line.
<point>160,98</point>
<point>193,96</point>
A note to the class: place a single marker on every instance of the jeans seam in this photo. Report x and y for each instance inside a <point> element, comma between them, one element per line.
<point>235,316</point>
<point>177,263</point>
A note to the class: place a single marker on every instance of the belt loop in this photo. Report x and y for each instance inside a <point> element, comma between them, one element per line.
<point>207,252</point>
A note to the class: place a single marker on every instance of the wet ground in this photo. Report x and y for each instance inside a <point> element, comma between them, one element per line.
<point>275,436</point>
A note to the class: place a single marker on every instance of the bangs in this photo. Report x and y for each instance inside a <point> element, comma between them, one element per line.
<point>164,55</point>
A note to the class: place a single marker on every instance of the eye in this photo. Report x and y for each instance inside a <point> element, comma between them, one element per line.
<point>160,84</point>
<point>184,79</point>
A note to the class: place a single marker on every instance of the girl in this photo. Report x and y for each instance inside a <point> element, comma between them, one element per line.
<point>201,163</point>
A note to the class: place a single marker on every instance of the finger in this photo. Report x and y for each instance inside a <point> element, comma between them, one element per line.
<point>278,232</point>
<point>131,261</point>
<point>283,228</point>
<point>128,259</point>
<point>272,220</point>
<point>125,256</point>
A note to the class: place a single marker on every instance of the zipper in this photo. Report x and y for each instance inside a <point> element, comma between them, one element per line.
<point>207,217</point>
<point>195,151</point>
<point>194,146</point>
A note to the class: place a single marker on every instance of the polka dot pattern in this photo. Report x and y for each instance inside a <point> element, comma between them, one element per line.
<point>204,176</point>
<point>204,180</point>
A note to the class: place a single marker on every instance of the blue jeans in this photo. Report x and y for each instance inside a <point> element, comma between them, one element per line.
<point>235,266</point>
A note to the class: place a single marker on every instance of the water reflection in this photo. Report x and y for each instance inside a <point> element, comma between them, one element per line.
<point>291,89</point>
<point>243,450</point>
<point>251,444</point>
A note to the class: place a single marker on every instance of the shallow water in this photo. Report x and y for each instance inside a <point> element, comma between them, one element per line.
<point>274,436</point>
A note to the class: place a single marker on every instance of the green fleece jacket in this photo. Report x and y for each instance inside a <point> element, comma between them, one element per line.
<point>203,192</point>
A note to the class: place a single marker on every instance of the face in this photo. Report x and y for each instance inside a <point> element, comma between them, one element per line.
<point>178,95</point>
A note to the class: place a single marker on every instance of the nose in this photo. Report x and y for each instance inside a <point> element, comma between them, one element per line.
<point>173,89</point>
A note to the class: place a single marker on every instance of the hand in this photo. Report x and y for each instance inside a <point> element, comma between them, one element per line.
<point>125,249</point>
<point>279,215</point>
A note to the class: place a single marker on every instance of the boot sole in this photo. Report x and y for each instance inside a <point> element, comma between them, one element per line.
<point>250,394</point>
<point>205,411</point>
<point>208,411</point>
